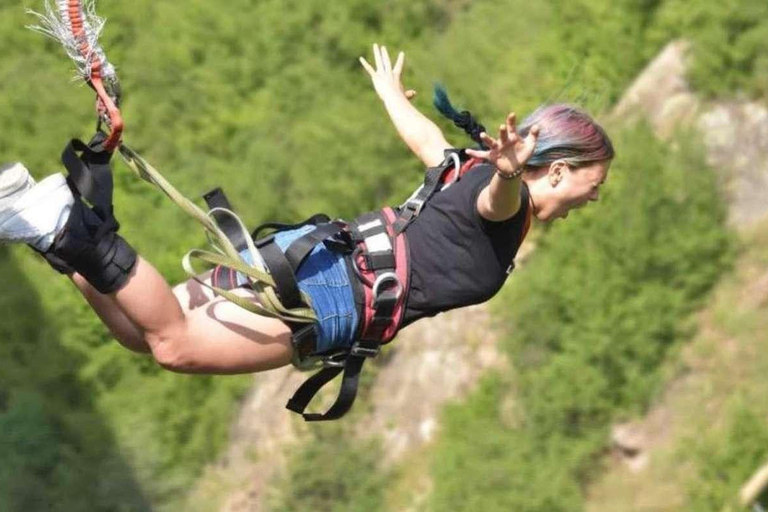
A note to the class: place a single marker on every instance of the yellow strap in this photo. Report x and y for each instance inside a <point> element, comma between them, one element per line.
<point>226,254</point>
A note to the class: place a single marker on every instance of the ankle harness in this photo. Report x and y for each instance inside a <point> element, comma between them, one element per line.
<point>89,243</point>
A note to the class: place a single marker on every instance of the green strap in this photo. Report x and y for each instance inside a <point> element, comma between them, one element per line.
<point>261,282</point>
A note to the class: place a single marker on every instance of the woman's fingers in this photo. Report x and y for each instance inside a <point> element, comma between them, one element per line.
<point>386,61</point>
<point>503,135</point>
<point>367,67</point>
<point>475,153</point>
<point>377,57</point>
<point>410,94</point>
<point>488,140</point>
<point>511,127</point>
<point>533,135</point>
<point>398,69</point>
<point>399,64</point>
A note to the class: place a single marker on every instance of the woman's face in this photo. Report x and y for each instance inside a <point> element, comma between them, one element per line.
<point>571,188</point>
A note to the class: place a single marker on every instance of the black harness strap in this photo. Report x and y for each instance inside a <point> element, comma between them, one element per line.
<point>353,365</point>
<point>216,198</point>
<point>284,265</point>
<point>300,248</point>
<point>90,176</point>
<point>316,219</point>
<point>412,208</point>
<point>282,271</point>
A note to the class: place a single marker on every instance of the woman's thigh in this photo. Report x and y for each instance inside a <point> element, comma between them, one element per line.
<point>229,337</point>
<point>191,294</point>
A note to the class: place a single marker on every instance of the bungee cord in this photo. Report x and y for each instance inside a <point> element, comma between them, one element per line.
<point>77,27</point>
<point>78,30</point>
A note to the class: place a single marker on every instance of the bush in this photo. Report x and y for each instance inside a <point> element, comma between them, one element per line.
<point>332,470</point>
<point>725,458</point>
<point>730,44</point>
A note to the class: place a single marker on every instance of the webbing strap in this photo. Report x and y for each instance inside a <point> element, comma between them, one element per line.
<point>435,179</point>
<point>349,384</point>
<point>216,199</point>
<point>412,208</point>
<point>318,218</point>
<point>90,175</point>
<point>268,303</point>
<point>300,248</point>
<point>282,273</point>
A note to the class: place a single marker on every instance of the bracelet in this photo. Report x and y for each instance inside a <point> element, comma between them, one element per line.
<point>512,175</point>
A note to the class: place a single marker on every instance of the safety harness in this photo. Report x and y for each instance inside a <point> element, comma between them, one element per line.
<point>374,245</point>
<point>376,250</point>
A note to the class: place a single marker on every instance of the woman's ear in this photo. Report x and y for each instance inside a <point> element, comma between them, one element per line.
<point>557,171</point>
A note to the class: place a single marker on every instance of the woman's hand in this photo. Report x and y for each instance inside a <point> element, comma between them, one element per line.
<point>386,78</point>
<point>510,152</point>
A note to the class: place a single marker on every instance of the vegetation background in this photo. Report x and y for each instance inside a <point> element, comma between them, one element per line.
<point>267,99</point>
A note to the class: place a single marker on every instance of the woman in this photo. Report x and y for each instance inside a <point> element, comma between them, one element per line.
<point>462,245</point>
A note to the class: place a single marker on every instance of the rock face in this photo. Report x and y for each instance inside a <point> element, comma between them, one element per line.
<point>736,138</point>
<point>435,361</point>
<point>734,133</point>
<point>432,362</point>
<point>661,94</point>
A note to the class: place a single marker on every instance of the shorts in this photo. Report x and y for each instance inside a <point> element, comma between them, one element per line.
<point>323,277</point>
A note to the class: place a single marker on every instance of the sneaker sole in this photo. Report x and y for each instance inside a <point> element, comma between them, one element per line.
<point>14,181</point>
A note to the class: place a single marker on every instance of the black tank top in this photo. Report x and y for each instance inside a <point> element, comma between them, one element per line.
<point>459,258</point>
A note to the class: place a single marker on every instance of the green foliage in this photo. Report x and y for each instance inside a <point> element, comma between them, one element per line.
<point>725,458</point>
<point>486,461</point>
<point>730,44</point>
<point>54,444</point>
<point>594,315</point>
<point>332,470</point>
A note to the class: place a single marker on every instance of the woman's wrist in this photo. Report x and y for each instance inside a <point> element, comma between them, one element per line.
<point>510,175</point>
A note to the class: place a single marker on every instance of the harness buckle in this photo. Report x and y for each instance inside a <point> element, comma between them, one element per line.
<point>386,277</point>
<point>359,351</point>
<point>337,360</point>
<point>415,204</point>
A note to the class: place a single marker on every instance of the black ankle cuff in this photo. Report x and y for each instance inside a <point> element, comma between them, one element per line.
<point>91,247</point>
<point>56,263</point>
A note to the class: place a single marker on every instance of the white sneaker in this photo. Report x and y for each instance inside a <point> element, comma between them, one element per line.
<point>14,181</point>
<point>32,213</point>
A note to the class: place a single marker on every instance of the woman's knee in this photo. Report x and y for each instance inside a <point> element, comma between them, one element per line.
<point>169,350</point>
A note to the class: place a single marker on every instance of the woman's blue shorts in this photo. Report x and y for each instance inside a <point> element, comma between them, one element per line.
<point>323,277</point>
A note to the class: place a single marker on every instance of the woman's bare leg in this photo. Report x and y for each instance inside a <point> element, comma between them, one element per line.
<point>188,329</point>
<point>106,307</point>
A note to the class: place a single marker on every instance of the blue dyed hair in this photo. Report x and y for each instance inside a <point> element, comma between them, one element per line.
<point>463,119</point>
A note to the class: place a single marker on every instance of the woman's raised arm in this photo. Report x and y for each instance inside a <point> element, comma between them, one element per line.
<point>421,135</point>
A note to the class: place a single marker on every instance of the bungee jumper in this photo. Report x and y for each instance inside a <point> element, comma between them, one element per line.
<point>324,293</point>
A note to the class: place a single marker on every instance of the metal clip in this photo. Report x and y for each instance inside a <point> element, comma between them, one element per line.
<point>384,278</point>
<point>359,351</point>
<point>457,165</point>
<point>337,360</point>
